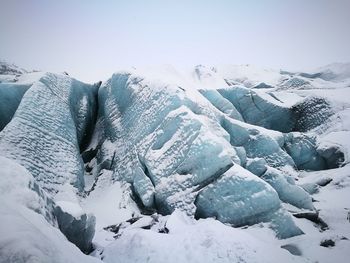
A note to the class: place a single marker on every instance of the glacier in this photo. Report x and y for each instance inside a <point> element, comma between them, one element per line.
<point>48,128</point>
<point>219,148</point>
<point>174,144</point>
<point>44,136</point>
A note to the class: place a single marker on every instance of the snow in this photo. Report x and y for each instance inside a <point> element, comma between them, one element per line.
<point>336,71</point>
<point>333,206</point>
<point>249,75</point>
<point>192,241</point>
<point>109,203</point>
<point>14,185</point>
<point>70,208</point>
<point>25,234</point>
<point>30,78</point>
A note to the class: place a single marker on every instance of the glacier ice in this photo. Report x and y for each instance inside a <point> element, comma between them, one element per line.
<point>231,153</point>
<point>54,117</point>
<point>267,110</point>
<point>173,146</point>
<point>257,166</point>
<point>287,190</point>
<point>258,110</point>
<point>26,236</point>
<point>222,103</point>
<point>332,153</point>
<point>10,97</point>
<point>311,112</point>
<point>17,185</point>
<point>144,188</point>
<point>302,148</point>
<point>205,152</point>
<point>240,198</point>
<point>45,132</point>
<point>77,226</point>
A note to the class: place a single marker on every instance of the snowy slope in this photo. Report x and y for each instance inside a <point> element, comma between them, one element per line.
<point>26,235</point>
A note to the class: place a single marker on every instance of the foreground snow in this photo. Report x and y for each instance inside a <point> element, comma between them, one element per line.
<point>25,233</point>
<point>191,241</point>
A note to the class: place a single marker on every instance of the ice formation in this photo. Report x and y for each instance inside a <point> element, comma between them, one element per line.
<point>227,143</point>
<point>44,135</point>
<point>50,123</point>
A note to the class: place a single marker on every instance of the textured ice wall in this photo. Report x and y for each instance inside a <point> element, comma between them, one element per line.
<point>178,148</point>
<point>10,96</point>
<point>181,152</point>
<point>266,110</point>
<point>45,133</point>
<point>55,116</point>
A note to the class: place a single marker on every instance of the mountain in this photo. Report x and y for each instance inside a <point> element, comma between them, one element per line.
<point>206,165</point>
<point>10,69</point>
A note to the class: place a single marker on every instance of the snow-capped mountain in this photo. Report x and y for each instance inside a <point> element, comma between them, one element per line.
<point>10,69</point>
<point>217,164</point>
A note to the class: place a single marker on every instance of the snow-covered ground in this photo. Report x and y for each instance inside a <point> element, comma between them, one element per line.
<point>239,148</point>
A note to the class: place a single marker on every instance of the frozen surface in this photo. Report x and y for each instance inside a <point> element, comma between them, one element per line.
<point>45,132</point>
<point>246,146</point>
<point>260,108</point>
<point>190,241</point>
<point>175,148</point>
<point>78,227</point>
<point>240,198</point>
<point>25,234</point>
<point>10,96</point>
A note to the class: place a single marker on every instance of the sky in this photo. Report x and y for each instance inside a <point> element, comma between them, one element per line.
<point>91,39</point>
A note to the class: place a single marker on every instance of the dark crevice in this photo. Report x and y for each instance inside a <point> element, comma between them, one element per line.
<point>87,192</point>
<point>293,249</point>
<point>112,161</point>
<point>216,176</point>
<point>88,155</point>
<point>88,133</point>
<point>325,182</point>
<point>273,96</point>
<point>143,209</point>
<point>313,217</point>
<point>145,170</point>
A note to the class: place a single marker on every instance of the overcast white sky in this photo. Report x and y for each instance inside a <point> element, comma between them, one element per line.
<point>92,39</point>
